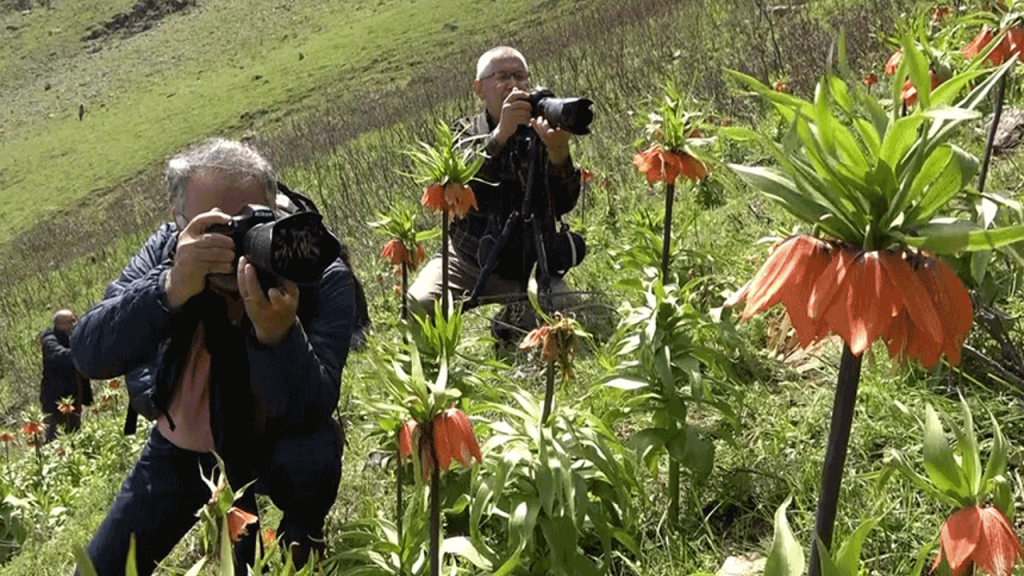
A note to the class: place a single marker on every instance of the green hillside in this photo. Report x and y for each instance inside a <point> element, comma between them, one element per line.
<point>191,75</point>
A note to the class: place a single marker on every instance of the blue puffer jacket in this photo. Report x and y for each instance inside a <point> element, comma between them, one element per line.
<point>295,384</point>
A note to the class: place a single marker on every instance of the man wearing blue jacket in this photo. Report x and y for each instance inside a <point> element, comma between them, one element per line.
<point>222,366</point>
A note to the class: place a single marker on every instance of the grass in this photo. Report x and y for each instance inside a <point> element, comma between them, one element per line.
<point>372,79</point>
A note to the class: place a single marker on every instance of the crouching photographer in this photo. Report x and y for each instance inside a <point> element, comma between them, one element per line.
<point>229,357</point>
<point>526,185</point>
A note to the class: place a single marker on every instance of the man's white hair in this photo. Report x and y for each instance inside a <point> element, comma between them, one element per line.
<point>483,64</point>
<point>229,156</point>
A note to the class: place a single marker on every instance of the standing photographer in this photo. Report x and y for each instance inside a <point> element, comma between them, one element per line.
<point>502,80</point>
<point>221,365</point>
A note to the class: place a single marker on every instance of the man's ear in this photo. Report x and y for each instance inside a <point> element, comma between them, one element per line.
<point>478,88</point>
<point>179,220</point>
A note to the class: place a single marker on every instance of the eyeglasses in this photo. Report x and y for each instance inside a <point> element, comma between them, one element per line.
<point>505,76</point>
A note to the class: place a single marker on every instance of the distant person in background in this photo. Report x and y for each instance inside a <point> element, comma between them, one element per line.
<point>502,83</point>
<point>61,380</point>
<point>223,366</point>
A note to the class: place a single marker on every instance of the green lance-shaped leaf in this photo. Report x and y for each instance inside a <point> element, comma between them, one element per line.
<point>939,462</point>
<point>787,556</point>
<point>962,236</point>
<point>967,446</point>
<point>848,558</point>
<point>997,456</point>
<point>85,565</point>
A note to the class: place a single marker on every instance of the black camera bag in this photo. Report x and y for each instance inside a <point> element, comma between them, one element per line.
<point>565,249</point>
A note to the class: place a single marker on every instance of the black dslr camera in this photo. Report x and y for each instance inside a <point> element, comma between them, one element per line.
<point>570,114</point>
<point>297,247</point>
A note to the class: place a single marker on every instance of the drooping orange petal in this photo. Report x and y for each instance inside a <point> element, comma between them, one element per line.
<point>826,288</point>
<point>238,521</point>
<point>862,311</point>
<point>959,538</point>
<point>650,163</point>
<point>978,43</point>
<point>952,304</point>
<point>693,169</point>
<point>998,549</point>
<point>788,276</point>
<point>962,316</point>
<point>535,338</point>
<point>395,252</point>
<point>909,93</point>
<point>433,197</point>
<point>898,335</point>
<point>893,62</point>
<point>783,270</point>
<point>460,198</point>
<point>672,164</point>
<point>405,435</point>
<point>467,446</point>
<point>1015,39</point>
<point>915,297</point>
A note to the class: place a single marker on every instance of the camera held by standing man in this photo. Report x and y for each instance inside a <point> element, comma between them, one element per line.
<point>229,357</point>
<point>494,248</point>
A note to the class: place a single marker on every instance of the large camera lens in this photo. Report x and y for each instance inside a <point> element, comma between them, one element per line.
<point>570,114</point>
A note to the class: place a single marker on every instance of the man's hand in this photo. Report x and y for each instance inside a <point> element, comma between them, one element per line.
<point>198,253</point>
<point>273,314</point>
<point>515,112</point>
<point>556,141</point>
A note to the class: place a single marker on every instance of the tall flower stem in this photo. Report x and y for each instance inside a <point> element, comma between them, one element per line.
<point>666,246</point>
<point>673,484</point>
<point>549,392</point>
<point>444,263</point>
<point>398,492</point>
<point>997,112</point>
<point>435,510</point>
<point>405,300</point>
<point>835,454</point>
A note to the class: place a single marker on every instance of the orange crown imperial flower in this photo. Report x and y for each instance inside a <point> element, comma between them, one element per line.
<point>65,408</point>
<point>454,439</point>
<point>7,437</point>
<point>1011,44</point>
<point>456,198</point>
<point>238,522</point>
<point>395,252</point>
<point>32,428</point>
<point>870,80</point>
<point>914,303</point>
<point>666,166</point>
<point>979,536</point>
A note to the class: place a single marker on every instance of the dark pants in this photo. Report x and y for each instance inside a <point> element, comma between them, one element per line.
<point>159,500</point>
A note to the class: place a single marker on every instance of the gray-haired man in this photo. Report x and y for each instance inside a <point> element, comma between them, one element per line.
<point>222,366</point>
